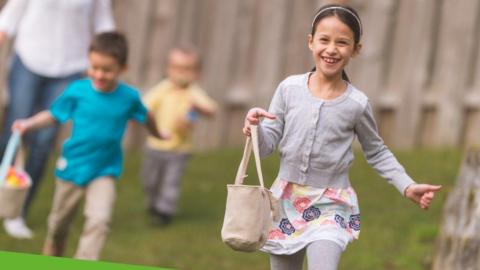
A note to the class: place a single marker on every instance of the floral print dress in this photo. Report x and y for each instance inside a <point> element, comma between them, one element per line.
<point>309,214</point>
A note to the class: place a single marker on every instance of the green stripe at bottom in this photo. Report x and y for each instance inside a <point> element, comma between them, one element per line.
<point>21,261</point>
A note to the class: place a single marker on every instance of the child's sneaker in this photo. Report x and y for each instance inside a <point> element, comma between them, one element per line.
<point>160,219</point>
<point>17,228</point>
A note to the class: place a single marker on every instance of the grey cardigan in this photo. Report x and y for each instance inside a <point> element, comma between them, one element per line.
<point>315,136</point>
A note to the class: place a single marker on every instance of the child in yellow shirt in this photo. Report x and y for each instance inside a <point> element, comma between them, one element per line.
<point>176,103</point>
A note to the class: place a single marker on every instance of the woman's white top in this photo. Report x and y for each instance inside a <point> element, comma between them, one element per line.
<point>53,36</point>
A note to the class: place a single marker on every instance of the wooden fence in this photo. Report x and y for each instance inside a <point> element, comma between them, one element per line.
<point>419,65</point>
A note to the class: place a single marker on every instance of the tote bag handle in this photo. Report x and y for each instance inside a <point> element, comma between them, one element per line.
<point>252,142</point>
<point>10,151</point>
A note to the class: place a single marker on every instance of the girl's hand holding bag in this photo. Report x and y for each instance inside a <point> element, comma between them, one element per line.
<point>249,209</point>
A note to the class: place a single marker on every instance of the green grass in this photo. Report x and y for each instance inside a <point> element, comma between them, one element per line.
<point>395,233</point>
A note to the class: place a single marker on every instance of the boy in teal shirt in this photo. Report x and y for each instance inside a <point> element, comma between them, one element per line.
<point>91,160</point>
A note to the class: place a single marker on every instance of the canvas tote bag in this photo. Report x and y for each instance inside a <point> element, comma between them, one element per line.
<point>249,209</point>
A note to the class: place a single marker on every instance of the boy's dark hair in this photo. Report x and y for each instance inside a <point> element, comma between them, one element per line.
<point>113,44</point>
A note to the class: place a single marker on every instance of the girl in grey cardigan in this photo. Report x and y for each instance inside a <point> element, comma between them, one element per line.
<point>313,119</point>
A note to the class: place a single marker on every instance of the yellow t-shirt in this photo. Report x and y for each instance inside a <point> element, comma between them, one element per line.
<point>169,107</point>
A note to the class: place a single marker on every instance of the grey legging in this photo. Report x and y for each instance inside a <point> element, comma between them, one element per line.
<point>321,255</point>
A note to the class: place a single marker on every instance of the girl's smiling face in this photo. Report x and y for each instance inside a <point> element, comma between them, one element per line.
<point>332,46</point>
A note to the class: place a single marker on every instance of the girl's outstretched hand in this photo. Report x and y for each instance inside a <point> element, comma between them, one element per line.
<point>253,118</point>
<point>421,194</point>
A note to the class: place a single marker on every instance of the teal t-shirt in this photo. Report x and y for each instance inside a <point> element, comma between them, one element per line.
<point>98,120</point>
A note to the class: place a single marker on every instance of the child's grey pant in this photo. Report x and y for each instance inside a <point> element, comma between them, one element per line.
<point>321,255</point>
<point>161,173</point>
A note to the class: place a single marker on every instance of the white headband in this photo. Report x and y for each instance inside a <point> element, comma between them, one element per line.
<point>344,9</point>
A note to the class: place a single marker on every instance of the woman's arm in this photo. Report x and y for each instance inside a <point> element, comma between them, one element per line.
<point>103,17</point>
<point>10,18</point>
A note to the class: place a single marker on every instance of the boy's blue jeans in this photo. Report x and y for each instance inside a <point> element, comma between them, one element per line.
<point>30,93</point>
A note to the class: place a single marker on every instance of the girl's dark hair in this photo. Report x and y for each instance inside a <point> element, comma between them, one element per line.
<point>113,44</point>
<point>345,14</point>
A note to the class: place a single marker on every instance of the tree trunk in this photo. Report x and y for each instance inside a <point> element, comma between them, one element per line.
<point>458,245</point>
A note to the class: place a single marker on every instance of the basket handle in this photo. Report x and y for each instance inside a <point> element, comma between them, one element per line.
<point>19,161</point>
<point>252,142</point>
<point>9,154</point>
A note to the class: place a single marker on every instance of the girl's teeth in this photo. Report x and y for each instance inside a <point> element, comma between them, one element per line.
<point>329,60</point>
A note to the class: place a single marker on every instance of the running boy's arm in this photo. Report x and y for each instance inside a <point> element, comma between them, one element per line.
<point>37,121</point>
<point>153,129</point>
<point>205,110</point>
<point>203,104</point>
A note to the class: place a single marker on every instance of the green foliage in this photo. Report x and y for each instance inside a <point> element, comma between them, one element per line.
<point>395,233</point>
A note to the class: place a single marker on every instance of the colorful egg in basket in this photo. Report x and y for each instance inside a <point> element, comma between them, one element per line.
<point>17,178</point>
